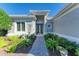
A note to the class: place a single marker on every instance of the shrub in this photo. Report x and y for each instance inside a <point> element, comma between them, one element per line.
<point>15,41</point>
<point>25,42</point>
<point>54,41</point>
<point>66,44</point>
<point>51,43</point>
<point>47,36</point>
<point>77,51</point>
<point>11,48</point>
<point>55,37</point>
<point>13,38</point>
<point>2,42</point>
<point>32,37</point>
<point>3,32</point>
<point>71,46</point>
<point>62,41</point>
<point>60,48</point>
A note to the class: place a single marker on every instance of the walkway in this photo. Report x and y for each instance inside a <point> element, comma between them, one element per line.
<point>39,48</point>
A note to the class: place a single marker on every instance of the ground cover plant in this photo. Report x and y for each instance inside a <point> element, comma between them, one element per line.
<point>3,42</point>
<point>17,44</point>
<point>20,43</point>
<point>54,42</point>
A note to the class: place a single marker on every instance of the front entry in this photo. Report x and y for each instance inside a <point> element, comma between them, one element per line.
<point>39,28</point>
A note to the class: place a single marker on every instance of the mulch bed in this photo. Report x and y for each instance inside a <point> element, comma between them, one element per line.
<point>24,49</point>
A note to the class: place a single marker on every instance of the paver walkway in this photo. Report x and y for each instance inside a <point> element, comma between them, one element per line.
<point>39,47</point>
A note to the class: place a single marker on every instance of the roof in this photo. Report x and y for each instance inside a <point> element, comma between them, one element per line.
<point>66,10</point>
<point>49,18</point>
<point>23,16</point>
<point>40,12</point>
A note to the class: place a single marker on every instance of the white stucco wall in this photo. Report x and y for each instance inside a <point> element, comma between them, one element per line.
<point>68,24</point>
<point>14,31</point>
<point>49,27</point>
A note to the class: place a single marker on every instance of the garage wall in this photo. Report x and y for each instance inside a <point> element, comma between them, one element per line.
<point>68,24</point>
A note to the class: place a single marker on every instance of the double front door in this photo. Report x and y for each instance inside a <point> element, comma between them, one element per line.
<point>39,28</point>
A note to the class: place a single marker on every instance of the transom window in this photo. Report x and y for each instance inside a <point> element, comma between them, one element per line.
<point>20,26</point>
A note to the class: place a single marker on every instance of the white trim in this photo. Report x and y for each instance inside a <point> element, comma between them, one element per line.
<point>70,38</point>
<point>40,12</point>
<point>21,15</point>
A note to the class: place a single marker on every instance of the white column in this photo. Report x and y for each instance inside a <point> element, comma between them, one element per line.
<point>33,26</point>
<point>15,27</point>
<point>44,24</point>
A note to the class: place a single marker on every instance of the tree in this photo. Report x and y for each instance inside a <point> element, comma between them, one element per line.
<point>5,22</point>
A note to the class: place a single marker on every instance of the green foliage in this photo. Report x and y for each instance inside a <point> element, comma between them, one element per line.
<point>51,43</point>
<point>60,48</point>
<point>13,38</point>
<point>2,42</point>
<point>66,44</point>
<point>18,42</point>
<point>32,36</point>
<point>25,42</point>
<point>55,37</point>
<point>62,42</point>
<point>15,41</point>
<point>5,20</point>
<point>71,46</point>
<point>77,51</point>
<point>11,48</point>
<point>47,36</point>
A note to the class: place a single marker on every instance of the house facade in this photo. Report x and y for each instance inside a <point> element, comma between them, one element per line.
<point>37,23</point>
<point>65,23</point>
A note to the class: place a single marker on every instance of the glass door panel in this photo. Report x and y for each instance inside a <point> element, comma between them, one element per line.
<point>39,28</point>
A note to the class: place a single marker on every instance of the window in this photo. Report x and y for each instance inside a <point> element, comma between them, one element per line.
<point>49,25</point>
<point>23,26</point>
<point>20,26</point>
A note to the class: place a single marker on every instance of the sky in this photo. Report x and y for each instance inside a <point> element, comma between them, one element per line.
<point>23,8</point>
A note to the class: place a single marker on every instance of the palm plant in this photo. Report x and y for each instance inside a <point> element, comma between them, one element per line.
<point>51,44</point>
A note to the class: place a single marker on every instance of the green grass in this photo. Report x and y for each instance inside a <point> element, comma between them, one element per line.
<point>2,42</point>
